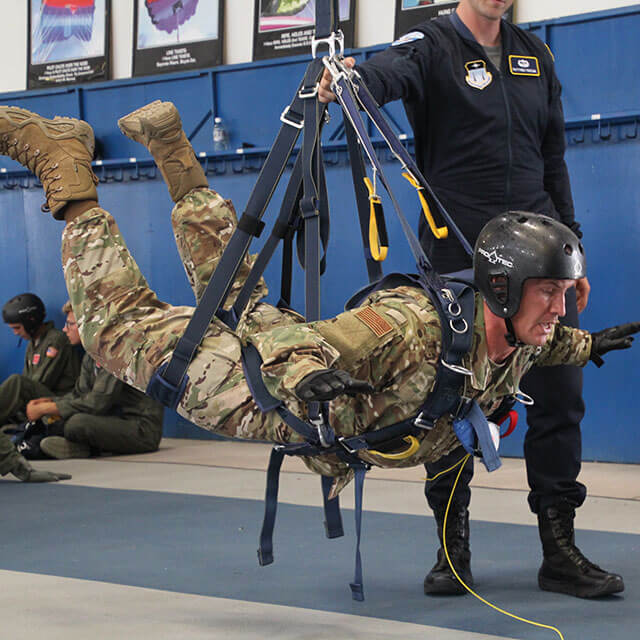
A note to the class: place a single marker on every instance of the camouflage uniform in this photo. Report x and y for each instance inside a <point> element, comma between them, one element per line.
<point>392,340</point>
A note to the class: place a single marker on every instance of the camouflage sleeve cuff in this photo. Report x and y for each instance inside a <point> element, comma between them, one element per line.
<point>566,346</point>
<point>289,354</point>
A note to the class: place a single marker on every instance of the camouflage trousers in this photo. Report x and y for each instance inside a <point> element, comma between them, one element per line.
<point>125,327</point>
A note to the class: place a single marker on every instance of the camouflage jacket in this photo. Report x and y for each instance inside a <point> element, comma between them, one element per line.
<point>393,342</point>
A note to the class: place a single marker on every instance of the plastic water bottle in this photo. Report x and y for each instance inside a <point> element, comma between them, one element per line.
<point>220,135</point>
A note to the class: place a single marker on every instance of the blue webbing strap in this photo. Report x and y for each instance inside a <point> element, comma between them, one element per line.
<point>251,362</point>
<point>371,108</point>
<point>475,419</point>
<point>265,550</point>
<point>358,173</point>
<point>333,519</point>
<point>357,589</point>
<point>327,18</point>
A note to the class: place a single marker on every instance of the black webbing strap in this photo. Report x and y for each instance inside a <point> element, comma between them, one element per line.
<point>166,385</point>
<point>358,173</point>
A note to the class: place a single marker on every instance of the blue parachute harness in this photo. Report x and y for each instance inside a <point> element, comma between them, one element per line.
<point>304,211</point>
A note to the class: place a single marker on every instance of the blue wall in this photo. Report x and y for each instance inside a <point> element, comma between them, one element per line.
<point>598,60</point>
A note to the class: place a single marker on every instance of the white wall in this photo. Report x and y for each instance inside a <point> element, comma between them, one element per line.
<point>374,25</point>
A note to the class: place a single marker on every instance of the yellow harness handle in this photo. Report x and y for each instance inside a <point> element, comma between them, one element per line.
<point>413,443</point>
<point>438,232</point>
<point>377,248</point>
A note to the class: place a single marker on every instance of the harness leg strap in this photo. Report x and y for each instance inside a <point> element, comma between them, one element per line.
<point>357,588</point>
<point>333,519</point>
<point>265,550</point>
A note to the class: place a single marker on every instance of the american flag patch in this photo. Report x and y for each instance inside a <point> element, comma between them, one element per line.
<point>52,352</point>
<point>374,321</point>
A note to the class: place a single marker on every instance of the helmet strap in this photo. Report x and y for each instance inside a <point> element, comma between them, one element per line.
<point>510,336</point>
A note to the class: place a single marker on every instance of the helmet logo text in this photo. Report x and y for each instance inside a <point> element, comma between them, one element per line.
<point>494,258</point>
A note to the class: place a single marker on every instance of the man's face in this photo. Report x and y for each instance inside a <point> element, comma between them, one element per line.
<point>71,329</point>
<point>19,330</point>
<point>541,305</point>
<point>490,9</point>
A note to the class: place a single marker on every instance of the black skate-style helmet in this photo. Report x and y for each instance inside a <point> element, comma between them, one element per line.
<point>518,245</point>
<point>25,309</point>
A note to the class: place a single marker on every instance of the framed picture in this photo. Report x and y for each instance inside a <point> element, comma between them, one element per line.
<point>409,13</point>
<point>176,35</point>
<point>286,27</point>
<point>68,42</point>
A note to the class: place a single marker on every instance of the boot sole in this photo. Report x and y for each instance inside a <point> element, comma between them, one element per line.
<point>63,449</point>
<point>147,122</point>
<point>609,588</point>
<point>58,128</point>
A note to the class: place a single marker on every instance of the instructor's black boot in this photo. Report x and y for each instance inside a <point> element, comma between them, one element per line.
<point>441,580</point>
<point>564,568</point>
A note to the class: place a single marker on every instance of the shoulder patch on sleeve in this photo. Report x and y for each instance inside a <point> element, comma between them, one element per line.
<point>52,352</point>
<point>408,37</point>
<point>374,321</point>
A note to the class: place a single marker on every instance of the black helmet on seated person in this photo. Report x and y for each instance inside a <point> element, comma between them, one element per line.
<point>516,246</point>
<point>25,309</point>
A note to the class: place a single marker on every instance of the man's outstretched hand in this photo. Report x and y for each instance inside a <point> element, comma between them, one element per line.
<point>612,339</point>
<point>328,384</point>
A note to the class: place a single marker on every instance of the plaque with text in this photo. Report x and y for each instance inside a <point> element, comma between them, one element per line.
<point>68,42</point>
<point>176,35</point>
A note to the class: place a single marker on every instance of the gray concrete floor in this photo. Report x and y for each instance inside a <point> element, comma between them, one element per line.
<point>52,607</point>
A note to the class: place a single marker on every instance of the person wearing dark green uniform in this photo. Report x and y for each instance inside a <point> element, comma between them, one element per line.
<point>51,365</point>
<point>101,413</point>
<point>12,462</point>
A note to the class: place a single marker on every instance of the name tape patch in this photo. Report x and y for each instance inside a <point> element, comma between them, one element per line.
<point>374,321</point>
<point>524,66</point>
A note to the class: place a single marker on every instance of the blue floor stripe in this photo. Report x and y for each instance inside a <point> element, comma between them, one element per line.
<point>207,546</point>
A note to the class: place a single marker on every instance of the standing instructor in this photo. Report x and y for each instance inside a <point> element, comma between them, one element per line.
<point>484,103</point>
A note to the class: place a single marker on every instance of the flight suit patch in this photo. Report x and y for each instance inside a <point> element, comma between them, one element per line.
<point>524,66</point>
<point>52,352</point>
<point>36,358</point>
<point>374,321</point>
<point>477,75</point>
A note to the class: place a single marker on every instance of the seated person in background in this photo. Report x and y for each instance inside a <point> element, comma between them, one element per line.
<point>12,462</point>
<point>51,365</point>
<point>101,414</point>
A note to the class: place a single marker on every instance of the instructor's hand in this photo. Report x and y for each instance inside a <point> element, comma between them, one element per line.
<point>328,384</point>
<point>324,89</point>
<point>612,339</point>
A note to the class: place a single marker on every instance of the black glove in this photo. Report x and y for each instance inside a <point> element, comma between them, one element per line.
<point>25,472</point>
<point>612,339</point>
<point>328,384</point>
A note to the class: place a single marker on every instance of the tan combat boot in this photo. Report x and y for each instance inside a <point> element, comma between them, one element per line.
<point>57,151</point>
<point>158,127</point>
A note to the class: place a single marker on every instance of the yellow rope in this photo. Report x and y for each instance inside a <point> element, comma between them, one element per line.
<point>461,463</point>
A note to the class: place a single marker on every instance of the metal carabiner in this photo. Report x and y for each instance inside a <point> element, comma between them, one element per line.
<point>457,368</point>
<point>522,397</point>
